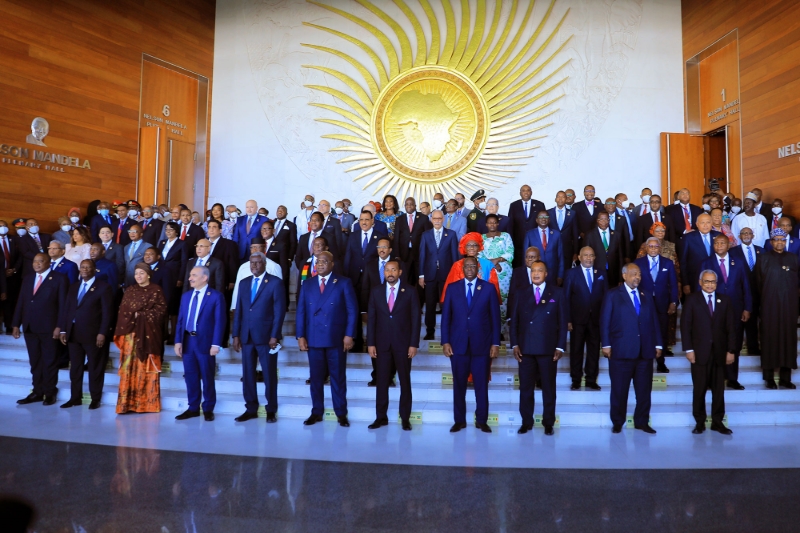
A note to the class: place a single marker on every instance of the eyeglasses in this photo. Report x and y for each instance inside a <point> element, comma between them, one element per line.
<point>708,281</point>
<point>543,218</point>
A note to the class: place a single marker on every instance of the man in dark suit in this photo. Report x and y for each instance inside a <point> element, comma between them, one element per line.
<point>775,216</point>
<point>327,320</point>
<point>631,338</point>
<point>331,226</point>
<point>32,243</point>
<point>586,212</point>
<point>393,325</point>
<point>286,232</point>
<point>84,322</point>
<point>618,224</point>
<point>660,281</point>
<point>792,243</point>
<point>437,252</point>
<point>113,252</point>
<point>521,279</point>
<point>564,221</point>
<point>708,335</point>
<point>584,288</point>
<point>101,219</point>
<point>60,264</point>
<point>539,338</point>
<point>277,250</point>
<point>190,233</point>
<point>522,214</point>
<point>379,225</point>
<point>226,251</point>
<point>198,337</point>
<point>762,208</point>
<point>215,267</point>
<point>682,219</point>
<point>40,300</point>
<point>306,243</point>
<point>503,222</point>
<point>151,227</point>
<point>408,230</point>
<point>257,322</point>
<point>159,274</point>
<point>12,265</point>
<point>696,247</point>
<point>471,339</point>
<point>732,280</point>
<point>476,214</point>
<point>134,253</point>
<point>346,220</point>
<point>124,224</point>
<point>645,221</point>
<point>749,254</point>
<point>549,243</point>
<point>608,248</point>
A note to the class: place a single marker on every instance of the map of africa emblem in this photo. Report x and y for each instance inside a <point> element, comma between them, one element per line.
<point>464,111</point>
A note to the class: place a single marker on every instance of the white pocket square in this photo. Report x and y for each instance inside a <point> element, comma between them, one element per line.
<point>663,270</point>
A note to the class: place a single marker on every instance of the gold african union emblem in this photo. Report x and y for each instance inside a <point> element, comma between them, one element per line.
<point>460,112</point>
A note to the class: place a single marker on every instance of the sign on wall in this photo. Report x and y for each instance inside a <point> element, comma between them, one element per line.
<point>37,158</point>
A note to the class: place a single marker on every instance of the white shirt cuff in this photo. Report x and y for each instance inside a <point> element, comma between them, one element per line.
<point>658,348</point>
<point>559,350</point>
<point>689,351</point>
<point>604,347</point>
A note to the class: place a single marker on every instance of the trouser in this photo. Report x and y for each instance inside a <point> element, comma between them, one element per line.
<point>334,362</point>
<point>463,365</point>
<point>785,374</point>
<point>589,335</point>
<point>78,353</point>
<point>621,372</point>
<point>389,361</point>
<point>375,366</point>
<point>42,350</point>
<point>710,375</point>
<point>531,369</point>
<point>199,368</point>
<point>751,331</point>
<point>252,354</point>
<point>433,291</point>
<point>732,370</point>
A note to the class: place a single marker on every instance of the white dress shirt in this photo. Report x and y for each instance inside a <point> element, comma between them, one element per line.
<point>167,247</point>
<point>244,271</point>
<point>368,233</point>
<point>326,278</point>
<point>396,291</point>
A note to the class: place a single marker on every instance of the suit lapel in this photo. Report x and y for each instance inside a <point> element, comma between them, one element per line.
<point>332,280</point>
<point>262,286</point>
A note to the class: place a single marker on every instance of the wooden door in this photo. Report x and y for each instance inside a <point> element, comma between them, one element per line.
<point>733,136</point>
<point>147,184</point>
<point>180,173</point>
<point>682,165</point>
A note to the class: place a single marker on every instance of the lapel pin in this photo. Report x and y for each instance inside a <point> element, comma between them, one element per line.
<point>51,277</point>
<point>335,280</point>
<point>479,287</point>
<point>719,301</point>
<point>732,263</point>
<point>92,289</point>
<point>595,271</point>
<point>402,290</point>
<point>208,293</point>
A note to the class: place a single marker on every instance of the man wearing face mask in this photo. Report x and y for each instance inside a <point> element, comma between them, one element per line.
<point>12,261</point>
<point>438,202</point>
<point>749,254</point>
<point>345,219</point>
<point>682,217</point>
<point>303,218</point>
<point>762,208</point>
<point>102,218</point>
<point>31,243</point>
<point>174,216</point>
<point>151,226</point>
<point>777,215</point>
<point>621,199</point>
<point>644,207</point>
<point>753,220</point>
<point>477,213</point>
<point>330,224</point>
<point>134,211</point>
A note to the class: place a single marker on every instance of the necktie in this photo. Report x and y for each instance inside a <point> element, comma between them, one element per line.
<point>183,233</point>
<point>134,246</point>
<point>313,267</point>
<point>105,245</point>
<point>200,261</point>
<point>191,325</point>
<point>612,220</point>
<point>469,294</point>
<point>655,214</point>
<point>636,303</point>
<point>391,299</point>
<point>710,306</point>
<point>560,213</point>
<point>364,245</point>
<point>654,269</point>
<point>544,239</point>
<point>82,293</point>
<point>108,219</point>
<point>438,237</point>
<point>144,224</point>
<point>119,231</point>
<point>538,294</point>
<point>686,220</point>
<point>38,283</point>
<point>322,285</point>
<point>254,290</point>
<point>249,224</point>
<point>605,241</point>
<point>410,223</point>
<point>525,205</point>
<point>750,259</point>
<point>449,217</point>
<point>6,252</point>
<point>723,270</point>
<point>311,241</point>
<point>381,270</point>
<point>645,209</point>
<point>589,278</point>
<point>52,265</point>
<point>707,244</point>
<point>775,221</point>
<point>279,224</point>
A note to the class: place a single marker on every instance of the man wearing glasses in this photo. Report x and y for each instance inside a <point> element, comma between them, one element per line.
<point>548,241</point>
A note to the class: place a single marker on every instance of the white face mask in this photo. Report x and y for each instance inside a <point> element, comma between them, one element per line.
<point>66,228</point>
<point>156,216</point>
<point>735,209</point>
<point>3,230</point>
<point>308,203</point>
<point>75,220</point>
<point>626,204</point>
<point>21,231</point>
<point>33,229</point>
<point>233,216</point>
<point>339,210</point>
<point>677,202</point>
<point>437,204</point>
<point>646,199</point>
<point>133,213</point>
<point>777,210</point>
<point>706,207</point>
<point>482,206</point>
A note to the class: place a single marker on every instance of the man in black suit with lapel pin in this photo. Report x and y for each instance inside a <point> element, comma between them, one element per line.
<point>84,322</point>
<point>522,215</point>
<point>151,227</point>
<point>40,300</point>
<point>277,251</point>
<point>32,243</point>
<point>123,226</point>
<point>539,338</point>
<point>521,278</point>
<point>306,243</point>
<point>226,251</point>
<point>563,220</point>
<point>113,252</point>
<point>408,230</point>
<point>682,220</point>
<point>608,249</point>
<point>437,252</point>
<point>696,246</point>
<point>645,221</point>
<point>189,233</point>
<point>586,212</point>
<point>394,320</point>
<point>708,335</point>
<point>215,267</point>
<point>584,288</point>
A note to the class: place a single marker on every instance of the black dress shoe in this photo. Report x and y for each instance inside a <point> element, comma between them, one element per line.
<point>49,400</point>
<point>667,352</point>
<point>406,425</point>
<point>735,385</point>
<point>787,385</point>
<point>616,429</point>
<point>94,405</point>
<point>271,418</point>
<point>770,383</point>
<point>647,429</point>
<point>538,384</point>
<point>457,427</point>
<point>30,398</point>
<point>311,420</point>
<point>246,416</point>
<point>187,415</point>
<point>379,422</point>
<point>371,383</point>
<point>208,416</point>
<point>327,381</point>
<point>483,427</point>
<point>698,429</point>
<point>576,385</point>
<point>592,386</point>
<point>308,381</point>
<point>524,428</point>
<point>662,368</point>
<point>70,403</point>
<point>548,430</point>
<point>428,337</point>
<point>344,422</point>
<point>721,429</point>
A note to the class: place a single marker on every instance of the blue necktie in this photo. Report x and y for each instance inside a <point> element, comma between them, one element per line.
<point>654,269</point>
<point>469,294</point>
<point>191,324</point>
<point>750,260</point>
<point>364,245</point>
<point>560,219</point>
<point>253,290</point>
<point>383,266</point>
<point>525,207</point>
<point>589,278</point>
<point>82,293</point>
<point>636,303</point>
<point>706,244</point>
<point>108,219</point>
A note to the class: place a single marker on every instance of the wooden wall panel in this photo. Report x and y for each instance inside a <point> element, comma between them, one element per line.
<point>719,72</point>
<point>769,75</point>
<point>78,63</point>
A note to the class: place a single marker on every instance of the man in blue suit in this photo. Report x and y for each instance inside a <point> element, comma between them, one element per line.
<point>563,219</point>
<point>548,241</point>
<point>584,288</point>
<point>539,338</point>
<point>247,227</point>
<point>660,281</point>
<point>327,319</point>
<point>452,221</point>
<point>60,264</point>
<point>198,337</point>
<point>257,322</point>
<point>438,250</point>
<point>471,339</point>
<point>631,338</point>
<point>105,270</point>
<point>696,247</point>
<point>749,254</point>
<point>103,218</point>
<point>732,281</point>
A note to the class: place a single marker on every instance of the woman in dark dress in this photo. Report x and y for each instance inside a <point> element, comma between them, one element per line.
<point>174,255</point>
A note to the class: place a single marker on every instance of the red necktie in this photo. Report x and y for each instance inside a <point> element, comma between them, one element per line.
<point>655,214</point>
<point>6,253</point>
<point>645,209</point>
<point>775,222</point>
<point>544,239</point>
<point>686,221</point>
<point>144,224</point>
<point>322,285</point>
<point>410,222</point>
<point>183,233</point>
<point>38,283</point>
<point>119,232</point>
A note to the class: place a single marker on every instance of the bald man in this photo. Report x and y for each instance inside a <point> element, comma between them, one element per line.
<point>202,258</point>
<point>247,227</point>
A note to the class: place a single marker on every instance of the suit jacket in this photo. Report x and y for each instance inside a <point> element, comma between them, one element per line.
<point>176,259</point>
<point>257,321</point>
<point>737,289</point>
<point>123,239</point>
<point>107,271</point>
<point>435,263</point>
<point>629,335</point>
<point>216,271</point>
<point>14,253</point>
<point>766,212</point>
<point>3,282</point>
<point>586,221</point>
<point>228,254</point>
<point>569,233</point>
<point>584,307</point>
<point>737,253</point>
<point>378,225</point>
<point>613,257</point>
<point>68,269</point>
<point>82,322</point>
<point>278,251</point>
<point>211,318</point>
<point>242,237</point>
<point>29,249</point>
<point>193,234</point>
<point>355,260</point>
<point>457,224</point>
<point>303,252</point>
<point>643,225</point>
<point>665,289</point>
<point>692,255</point>
<point>371,279</point>
<point>98,222</point>
<point>504,226</point>
<point>538,329</point>
<point>346,221</point>
<point>38,313</point>
<point>325,319</point>
<point>553,256</point>
<point>520,281</point>
<point>677,223</point>
<point>406,242</point>
<point>520,224</point>
<point>473,216</point>
<point>153,231</point>
<point>333,225</point>
<point>471,329</point>
<point>131,262</point>
<point>288,235</point>
<point>116,254</point>
<point>396,329</point>
<point>711,338</point>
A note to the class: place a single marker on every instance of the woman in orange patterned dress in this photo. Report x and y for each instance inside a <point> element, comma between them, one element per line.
<point>140,338</point>
<point>471,245</point>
